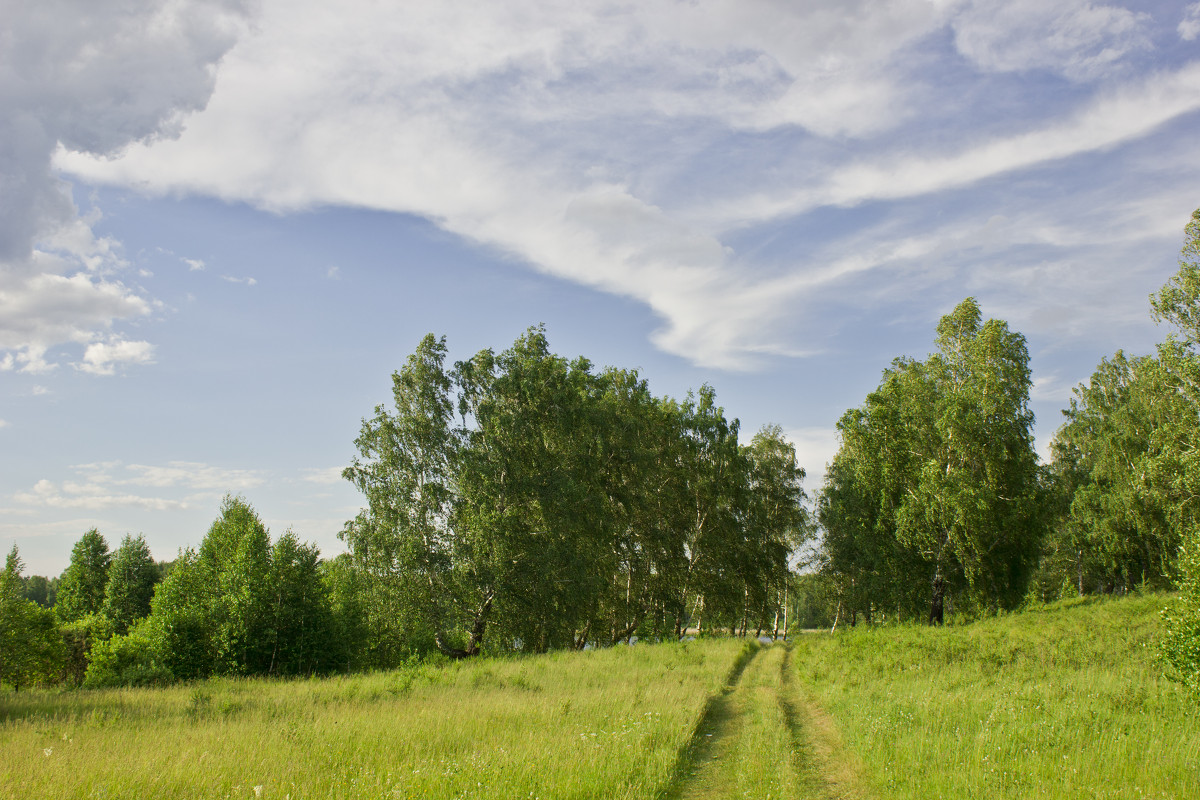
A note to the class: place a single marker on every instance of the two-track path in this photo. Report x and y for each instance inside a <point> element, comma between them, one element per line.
<point>761,739</point>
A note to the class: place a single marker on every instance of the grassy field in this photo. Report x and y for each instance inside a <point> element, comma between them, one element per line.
<point>609,723</point>
<point>1062,702</point>
<point>1065,701</point>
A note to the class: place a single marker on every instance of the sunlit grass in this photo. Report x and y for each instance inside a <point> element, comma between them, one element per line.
<point>606,723</point>
<point>1064,702</point>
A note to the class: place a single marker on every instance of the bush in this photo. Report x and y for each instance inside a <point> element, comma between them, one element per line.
<point>1181,645</point>
<point>135,659</point>
<point>79,637</point>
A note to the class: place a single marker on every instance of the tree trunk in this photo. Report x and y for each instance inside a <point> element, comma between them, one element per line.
<point>786,587</point>
<point>630,629</point>
<point>474,640</point>
<point>936,606</point>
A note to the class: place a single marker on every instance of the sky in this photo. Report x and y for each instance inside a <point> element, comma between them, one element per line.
<point>225,223</point>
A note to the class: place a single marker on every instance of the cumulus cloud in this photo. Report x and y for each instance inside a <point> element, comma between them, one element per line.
<point>102,358</point>
<point>91,77</point>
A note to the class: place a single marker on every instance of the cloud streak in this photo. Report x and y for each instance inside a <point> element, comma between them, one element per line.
<point>585,142</point>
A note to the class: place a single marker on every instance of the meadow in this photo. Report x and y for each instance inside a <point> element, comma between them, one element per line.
<point>1062,701</point>
<point>609,723</point>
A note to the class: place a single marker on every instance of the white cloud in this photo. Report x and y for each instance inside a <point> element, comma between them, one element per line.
<point>1189,26</point>
<point>3,423</point>
<point>1119,115</point>
<point>323,475</point>
<point>102,358</point>
<point>92,77</point>
<point>194,475</point>
<point>96,502</point>
<point>815,449</point>
<point>112,484</point>
<point>1080,39</point>
<point>579,139</point>
<point>194,264</point>
<point>246,281</point>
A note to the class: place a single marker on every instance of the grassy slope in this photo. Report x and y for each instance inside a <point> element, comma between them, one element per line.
<point>1065,701</point>
<point>599,724</point>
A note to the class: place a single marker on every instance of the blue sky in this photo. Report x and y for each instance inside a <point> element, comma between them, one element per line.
<point>223,224</point>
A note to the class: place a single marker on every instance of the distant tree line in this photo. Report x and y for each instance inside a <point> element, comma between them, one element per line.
<point>515,501</point>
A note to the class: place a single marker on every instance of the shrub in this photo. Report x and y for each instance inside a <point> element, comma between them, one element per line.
<point>134,659</point>
<point>1181,645</point>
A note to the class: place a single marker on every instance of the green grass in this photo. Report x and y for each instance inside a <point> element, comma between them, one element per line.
<point>609,723</point>
<point>1066,701</point>
<point>763,759</point>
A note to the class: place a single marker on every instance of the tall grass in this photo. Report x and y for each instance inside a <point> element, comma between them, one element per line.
<point>609,723</point>
<point>1066,701</point>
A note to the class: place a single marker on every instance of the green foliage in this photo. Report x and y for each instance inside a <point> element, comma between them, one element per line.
<point>1108,458</point>
<point>935,493</point>
<point>1180,645</point>
<point>213,607</point>
<point>135,658</point>
<point>562,507</point>
<point>180,611</point>
<point>30,647</point>
<point>1178,468</point>
<point>131,579</point>
<point>240,606</point>
<point>813,601</point>
<point>79,637</point>
<point>301,631</point>
<point>81,589</point>
<point>351,609</point>
<point>41,590</point>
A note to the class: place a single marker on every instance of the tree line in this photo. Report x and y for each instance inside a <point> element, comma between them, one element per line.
<point>935,499</point>
<point>521,501</point>
<point>515,501</point>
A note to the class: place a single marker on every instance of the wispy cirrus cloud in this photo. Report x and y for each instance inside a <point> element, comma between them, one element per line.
<point>635,151</point>
<point>1189,26</point>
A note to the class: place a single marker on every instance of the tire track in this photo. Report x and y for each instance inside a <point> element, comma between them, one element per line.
<point>760,738</point>
<point>702,772</point>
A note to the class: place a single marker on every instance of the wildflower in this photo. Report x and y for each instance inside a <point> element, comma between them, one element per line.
<point>48,751</point>
<point>258,791</point>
